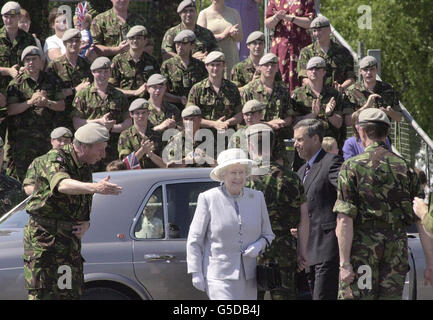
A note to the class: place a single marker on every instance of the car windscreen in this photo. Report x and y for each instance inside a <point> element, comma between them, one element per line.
<point>16,218</point>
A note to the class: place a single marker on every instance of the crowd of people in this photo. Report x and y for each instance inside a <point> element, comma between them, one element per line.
<point>95,97</point>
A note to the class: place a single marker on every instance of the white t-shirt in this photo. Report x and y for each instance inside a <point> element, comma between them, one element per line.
<point>54,42</point>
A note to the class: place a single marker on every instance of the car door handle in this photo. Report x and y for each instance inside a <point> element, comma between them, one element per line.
<point>157,257</point>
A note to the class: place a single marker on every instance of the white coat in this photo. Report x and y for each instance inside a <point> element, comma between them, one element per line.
<point>215,242</point>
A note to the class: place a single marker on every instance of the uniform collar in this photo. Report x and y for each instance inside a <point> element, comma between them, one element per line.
<point>374,145</point>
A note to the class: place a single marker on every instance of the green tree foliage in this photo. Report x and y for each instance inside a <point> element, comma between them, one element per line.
<point>402,30</point>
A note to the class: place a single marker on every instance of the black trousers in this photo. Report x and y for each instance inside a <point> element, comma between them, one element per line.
<point>323,280</point>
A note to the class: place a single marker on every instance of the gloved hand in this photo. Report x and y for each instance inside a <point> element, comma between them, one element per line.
<point>254,249</point>
<point>198,281</point>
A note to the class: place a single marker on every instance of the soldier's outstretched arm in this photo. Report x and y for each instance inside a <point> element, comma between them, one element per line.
<point>427,246</point>
<point>75,187</point>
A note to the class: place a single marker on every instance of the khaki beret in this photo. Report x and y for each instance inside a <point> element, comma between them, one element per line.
<point>320,22</point>
<point>268,58</point>
<point>156,79</point>
<point>32,51</point>
<point>71,33</point>
<point>215,56</point>
<point>316,62</point>
<point>92,133</point>
<point>367,62</point>
<point>256,35</point>
<point>191,111</point>
<point>253,106</point>
<point>136,31</point>
<point>184,4</point>
<point>11,7</point>
<point>100,63</point>
<point>2,143</point>
<point>61,132</point>
<point>258,128</point>
<point>139,103</point>
<point>185,36</point>
<point>373,115</point>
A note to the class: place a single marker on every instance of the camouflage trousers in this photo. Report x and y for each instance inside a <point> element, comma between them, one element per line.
<point>288,276</point>
<point>383,254</point>
<point>53,265</point>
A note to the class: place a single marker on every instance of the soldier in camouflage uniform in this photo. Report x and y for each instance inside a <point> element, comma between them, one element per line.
<point>59,215</point>
<point>374,207</point>
<point>103,104</point>
<point>10,189</point>
<point>183,149</point>
<point>218,99</point>
<point>279,112</point>
<point>140,138</point>
<point>246,71</point>
<point>183,71</point>
<point>252,112</point>
<point>60,137</point>
<point>162,115</point>
<point>12,43</point>
<point>285,200</point>
<point>132,69</point>
<point>205,40</point>
<point>74,73</point>
<point>316,100</point>
<point>340,72</point>
<point>372,93</point>
<point>34,98</point>
<point>109,29</point>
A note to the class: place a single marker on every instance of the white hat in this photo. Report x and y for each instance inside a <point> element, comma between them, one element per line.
<point>227,158</point>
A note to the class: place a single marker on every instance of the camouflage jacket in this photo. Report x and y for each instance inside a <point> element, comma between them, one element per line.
<point>108,30</point>
<point>30,178</point>
<point>126,74</point>
<point>358,95</point>
<point>130,141</point>
<point>278,104</point>
<point>69,76</point>
<point>47,201</point>
<point>243,73</point>
<point>205,40</point>
<point>339,62</point>
<point>89,105</point>
<point>168,110</point>
<point>29,131</point>
<point>303,98</point>
<point>11,193</point>
<point>284,194</point>
<point>227,102</point>
<point>377,185</point>
<point>179,79</point>
<point>177,150</point>
<point>239,140</point>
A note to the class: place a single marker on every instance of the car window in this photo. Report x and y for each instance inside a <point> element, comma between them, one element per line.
<point>181,204</point>
<point>151,223</point>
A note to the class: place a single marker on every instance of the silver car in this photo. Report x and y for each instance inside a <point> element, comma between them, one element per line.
<point>121,260</point>
<point>128,259</point>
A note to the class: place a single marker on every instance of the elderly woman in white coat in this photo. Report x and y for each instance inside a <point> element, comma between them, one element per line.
<point>229,230</point>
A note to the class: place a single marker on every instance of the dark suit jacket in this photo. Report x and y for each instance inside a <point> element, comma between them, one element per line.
<point>321,190</point>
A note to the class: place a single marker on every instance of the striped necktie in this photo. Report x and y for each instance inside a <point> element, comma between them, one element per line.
<point>307,170</point>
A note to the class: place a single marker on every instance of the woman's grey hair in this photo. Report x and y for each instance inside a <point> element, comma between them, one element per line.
<point>314,127</point>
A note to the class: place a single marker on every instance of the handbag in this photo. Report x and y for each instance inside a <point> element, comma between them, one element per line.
<point>268,275</point>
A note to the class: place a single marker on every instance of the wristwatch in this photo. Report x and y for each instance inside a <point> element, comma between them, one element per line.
<point>344,264</point>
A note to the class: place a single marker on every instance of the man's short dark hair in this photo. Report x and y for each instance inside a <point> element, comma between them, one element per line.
<point>314,127</point>
<point>375,130</point>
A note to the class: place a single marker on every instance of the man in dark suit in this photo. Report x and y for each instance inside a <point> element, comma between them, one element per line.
<point>319,175</point>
